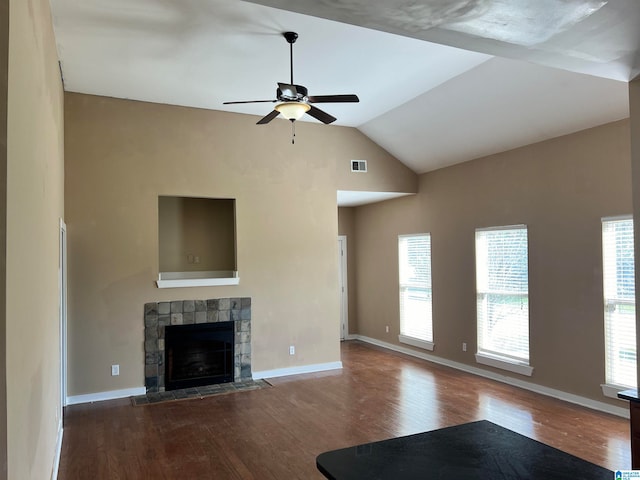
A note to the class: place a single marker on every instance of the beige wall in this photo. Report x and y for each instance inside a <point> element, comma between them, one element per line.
<point>121,155</point>
<point>34,206</point>
<point>560,189</point>
<point>346,227</point>
<point>196,234</point>
<point>381,176</point>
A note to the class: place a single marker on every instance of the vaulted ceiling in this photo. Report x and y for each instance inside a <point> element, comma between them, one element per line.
<point>440,81</point>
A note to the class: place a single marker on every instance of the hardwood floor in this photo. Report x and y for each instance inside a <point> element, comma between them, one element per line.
<point>276,433</point>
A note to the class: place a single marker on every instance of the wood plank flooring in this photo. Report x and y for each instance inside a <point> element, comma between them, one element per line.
<point>276,433</point>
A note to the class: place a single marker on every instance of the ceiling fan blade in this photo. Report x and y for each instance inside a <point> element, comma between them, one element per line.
<point>288,91</point>
<point>268,118</point>
<point>334,99</point>
<point>250,101</point>
<point>318,114</point>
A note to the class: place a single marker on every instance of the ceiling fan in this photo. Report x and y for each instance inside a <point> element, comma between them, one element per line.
<point>294,100</point>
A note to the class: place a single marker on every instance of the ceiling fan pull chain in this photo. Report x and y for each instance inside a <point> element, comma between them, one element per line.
<point>293,132</point>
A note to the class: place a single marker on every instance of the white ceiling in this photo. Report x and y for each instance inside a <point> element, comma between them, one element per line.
<point>350,198</point>
<point>440,81</point>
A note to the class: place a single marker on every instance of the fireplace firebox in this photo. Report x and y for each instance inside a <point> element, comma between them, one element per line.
<point>199,354</point>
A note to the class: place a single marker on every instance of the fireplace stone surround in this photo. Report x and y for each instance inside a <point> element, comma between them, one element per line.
<point>157,315</point>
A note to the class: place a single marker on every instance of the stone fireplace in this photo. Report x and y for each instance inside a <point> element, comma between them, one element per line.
<point>158,315</point>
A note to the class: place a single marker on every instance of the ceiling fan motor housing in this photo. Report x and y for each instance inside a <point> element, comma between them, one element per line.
<point>299,95</point>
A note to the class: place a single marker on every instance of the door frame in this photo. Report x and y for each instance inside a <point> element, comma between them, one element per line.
<point>62,289</point>
<point>343,289</point>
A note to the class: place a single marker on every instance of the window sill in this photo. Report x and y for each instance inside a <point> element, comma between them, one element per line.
<point>611,391</point>
<point>416,342</point>
<point>197,279</point>
<point>503,364</point>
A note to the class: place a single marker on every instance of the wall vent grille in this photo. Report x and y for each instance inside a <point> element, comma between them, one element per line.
<point>359,166</point>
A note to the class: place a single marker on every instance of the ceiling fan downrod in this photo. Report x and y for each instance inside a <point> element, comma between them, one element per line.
<point>291,38</point>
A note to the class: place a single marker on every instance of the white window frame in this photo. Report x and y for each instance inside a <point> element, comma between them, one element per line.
<point>486,356</point>
<point>612,303</point>
<point>405,336</point>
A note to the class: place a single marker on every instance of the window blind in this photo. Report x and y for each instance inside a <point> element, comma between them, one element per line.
<point>414,262</point>
<point>502,285</point>
<point>619,302</point>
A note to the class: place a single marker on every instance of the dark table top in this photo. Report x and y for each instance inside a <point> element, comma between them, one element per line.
<point>472,451</point>
<point>631,395</point>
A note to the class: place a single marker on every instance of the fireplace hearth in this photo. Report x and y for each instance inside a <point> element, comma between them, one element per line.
<point>221,354</point>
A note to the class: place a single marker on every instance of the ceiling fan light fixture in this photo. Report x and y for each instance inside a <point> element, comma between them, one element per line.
<point>292,110</point>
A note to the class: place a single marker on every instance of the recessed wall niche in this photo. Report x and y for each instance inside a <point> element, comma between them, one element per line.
<point>197,242</point>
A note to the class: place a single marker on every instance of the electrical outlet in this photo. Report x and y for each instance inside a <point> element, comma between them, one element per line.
<point>115,370</point>
<point>464,346</point>
<point>292,350</point>
<point>386,329</point>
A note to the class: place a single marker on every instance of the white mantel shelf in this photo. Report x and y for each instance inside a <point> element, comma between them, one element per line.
<point>197,279</point>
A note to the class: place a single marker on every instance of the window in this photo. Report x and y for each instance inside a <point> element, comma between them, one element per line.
<point>619,301</point>
<point>502,285</point>
<point>414,261</point>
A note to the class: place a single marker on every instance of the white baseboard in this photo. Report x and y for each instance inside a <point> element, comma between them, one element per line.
<point>101,396</point>
<point>550,392</point>
<point>129,392</point>
<point>58,452</point>
<point>283,372</point>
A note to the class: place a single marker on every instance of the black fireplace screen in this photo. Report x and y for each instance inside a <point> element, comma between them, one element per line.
<point>200,354</point>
